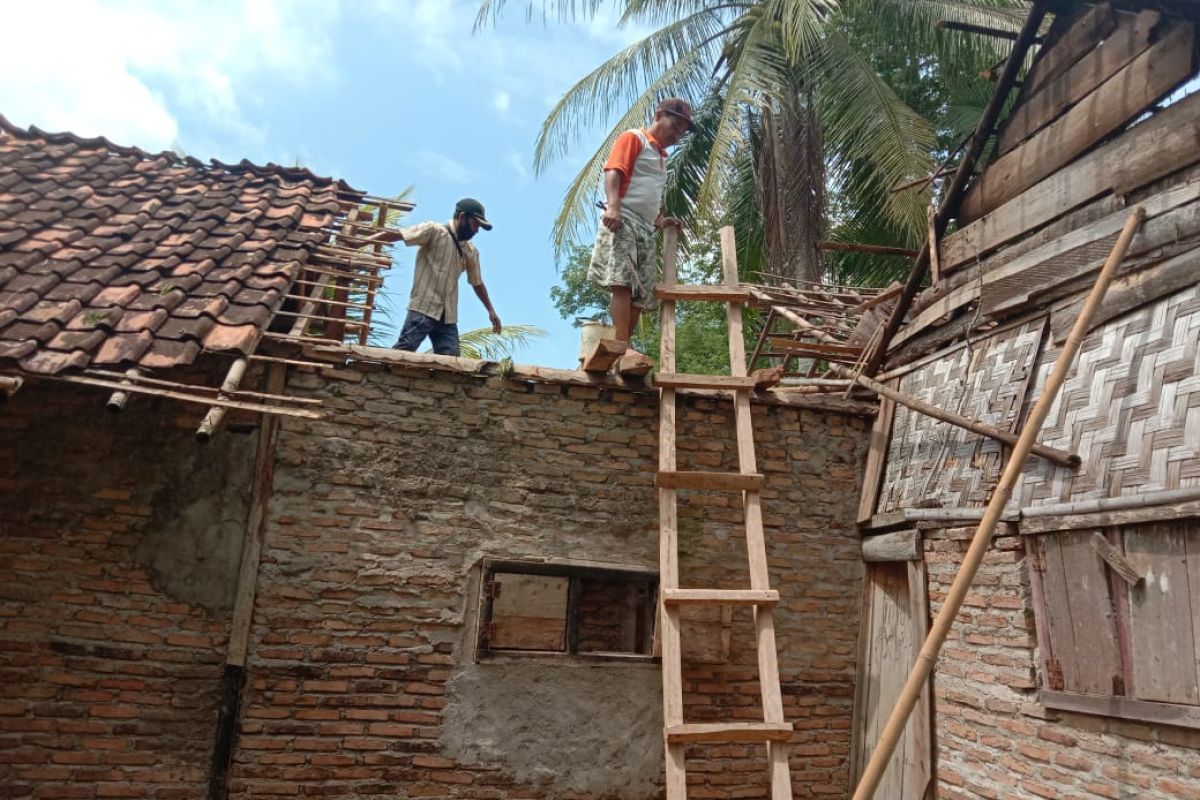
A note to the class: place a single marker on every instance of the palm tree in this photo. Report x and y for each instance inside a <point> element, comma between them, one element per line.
<point>791,107</point>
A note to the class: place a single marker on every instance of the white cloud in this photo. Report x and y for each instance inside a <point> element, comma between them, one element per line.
<point>441,166</point>
<point>502,100</point>
<point>126,69</point>
<point>517,162</point>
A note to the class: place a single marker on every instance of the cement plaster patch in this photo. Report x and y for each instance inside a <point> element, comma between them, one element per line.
<point>566,728</point>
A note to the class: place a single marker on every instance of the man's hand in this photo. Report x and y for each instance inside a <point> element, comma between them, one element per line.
<point>496,326</point>
<point>611,218</point>
<point>384,237</point>
<point>670,222</point>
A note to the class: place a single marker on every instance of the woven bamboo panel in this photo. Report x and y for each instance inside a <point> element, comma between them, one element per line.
<point>1130,408</point>
<point>932,463</point>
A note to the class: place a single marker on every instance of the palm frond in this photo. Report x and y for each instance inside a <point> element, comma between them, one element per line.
<point>483,344</point>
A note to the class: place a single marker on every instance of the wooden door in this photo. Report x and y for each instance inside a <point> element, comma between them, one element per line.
<point>895,621</point>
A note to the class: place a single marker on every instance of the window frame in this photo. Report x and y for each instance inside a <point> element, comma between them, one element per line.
<point>575,572</point>
<point>1119,702</point>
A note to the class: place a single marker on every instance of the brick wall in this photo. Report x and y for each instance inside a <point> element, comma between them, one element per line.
<point>994,740</point>
<point>362,679</point>
<point>119,543</point>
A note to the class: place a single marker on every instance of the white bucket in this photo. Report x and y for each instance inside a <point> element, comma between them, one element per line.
<point>590,333</point>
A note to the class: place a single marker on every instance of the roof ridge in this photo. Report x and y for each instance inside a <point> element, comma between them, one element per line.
<point>243,166</point>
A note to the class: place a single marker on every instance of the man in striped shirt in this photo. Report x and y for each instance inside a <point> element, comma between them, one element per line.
<point>445,253</point>
<point>624,258</point>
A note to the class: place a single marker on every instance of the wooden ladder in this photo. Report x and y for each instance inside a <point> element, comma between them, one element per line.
<point>773,730</point>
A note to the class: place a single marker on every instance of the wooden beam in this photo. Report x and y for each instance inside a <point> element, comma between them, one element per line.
<point>604,355</point>
<point>1051,454</point>
<point>1107,519</point>
<point>118,400</point>
<point>683,380</point>
<point>958,185</point>
<point>729,732</point>
<point>714,294</point>
<point>634,365</point>
<point>898,546</point>
<point>1084,33</point>
<point>1129,40</point>
<point>1144,500</point>
<point>716,481</point>
<point>1123,708</point>
<point>981,30</point>
<point>873,249</point>
<point>721,597</point>
<point>1117,101</point>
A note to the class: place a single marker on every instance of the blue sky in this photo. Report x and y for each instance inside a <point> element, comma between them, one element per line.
<point>386,94</point>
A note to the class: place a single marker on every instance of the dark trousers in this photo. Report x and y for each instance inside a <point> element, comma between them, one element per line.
<point>443,335</point>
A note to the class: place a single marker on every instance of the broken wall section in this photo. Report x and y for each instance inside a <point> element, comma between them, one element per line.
<point>363,673</point>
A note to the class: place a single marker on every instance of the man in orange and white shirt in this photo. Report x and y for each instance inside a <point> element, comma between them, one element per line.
<point>624,258</point>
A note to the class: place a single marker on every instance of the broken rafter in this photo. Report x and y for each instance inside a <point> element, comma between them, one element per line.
<point>982,30</point>
<point>187,397</point>
<point>958,185</point>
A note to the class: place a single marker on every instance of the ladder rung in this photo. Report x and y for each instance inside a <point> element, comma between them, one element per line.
<point>715,294</point>
<point>683,380</point>
<point>721,597</point>
<point>730,732</point>
<point>720,481</point>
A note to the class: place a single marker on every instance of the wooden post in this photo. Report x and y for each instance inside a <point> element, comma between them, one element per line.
<point>668,535</point>
<point>1052,454</point>
<point>987,526</point>
<point>958,185</point>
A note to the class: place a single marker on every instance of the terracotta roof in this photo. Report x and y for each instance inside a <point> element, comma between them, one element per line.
<point>114,257</point>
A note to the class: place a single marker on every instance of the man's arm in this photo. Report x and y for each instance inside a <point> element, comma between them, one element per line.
<point>482,293</point>
<point>611,218</point>
<point>384,237</point>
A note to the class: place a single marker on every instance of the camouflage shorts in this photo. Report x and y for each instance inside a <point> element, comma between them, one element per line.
<point>626,258</point>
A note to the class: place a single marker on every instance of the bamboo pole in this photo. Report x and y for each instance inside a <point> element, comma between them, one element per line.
<point>1053,454</point>
<point>117,400</point>
<point>9,385</point>
<point>233,379</point>
<point>987,526</point>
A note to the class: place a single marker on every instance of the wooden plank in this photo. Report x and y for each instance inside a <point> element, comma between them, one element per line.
<point>1129,40</point>
<point>715,294</point>
<point>684,380</point>
<point>730,732</point>
<point>1114,559</point>
<point>1182,716</point>
<point>716,481</point>
<point>529,612</point>
<point>1161,612</point>
<point>1091,609</point>
<point>1010,286</point>
<point>1119,100</point>
<point>919,761</point>
<point>881,437</point>
<point>1160,145</point>
<point>1104,519</point>
<point>668,536</point>
<point>935,258</point>
<point>1083,34</point>
<point>886,521</point>
<point>1191,542</point>
<point>1036,559</point>
<point>727,597</point>
<point>898,546</point>
<point>892,649</point>
<point>604,355</point>
<point>764,620</point>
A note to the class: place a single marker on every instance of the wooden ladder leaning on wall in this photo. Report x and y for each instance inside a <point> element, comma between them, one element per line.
<point>773,730</point>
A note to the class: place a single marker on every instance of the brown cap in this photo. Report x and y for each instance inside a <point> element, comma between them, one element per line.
<point>676,107</point>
